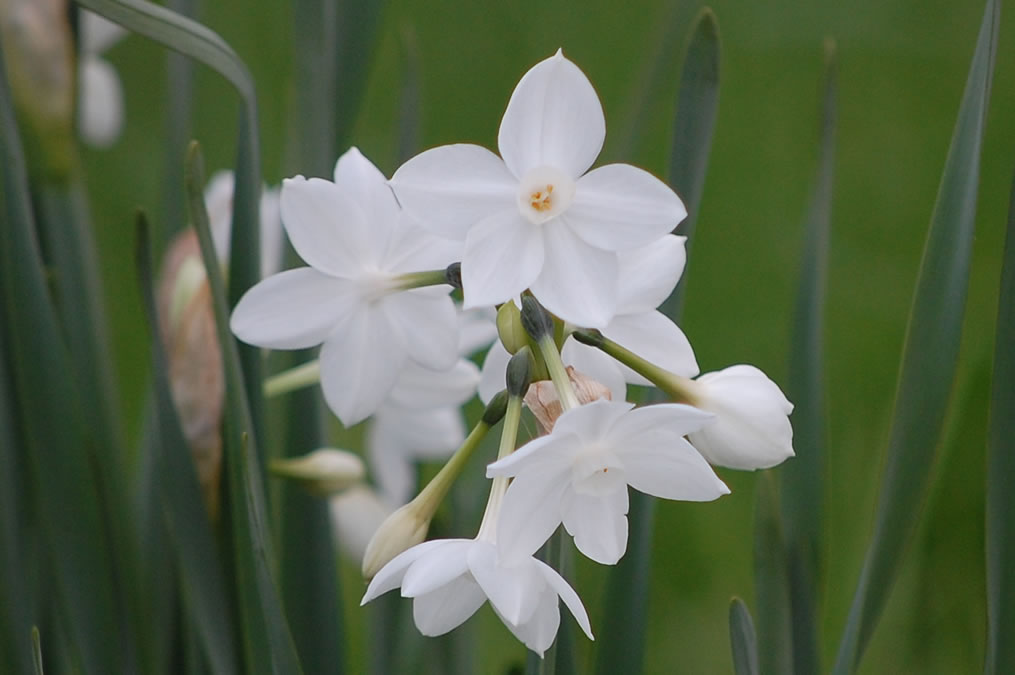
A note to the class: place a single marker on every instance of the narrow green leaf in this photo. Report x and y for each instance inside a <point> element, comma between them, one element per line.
<point>198,42</point>
<point>186,518</point>
<point>267,642</point>
<point>17,545</point>
<point>743,641</point>
<point>63,481</point>
<point>1001,473</point>
<point>930,353</point>
<point>621,644</point>
<point>697,107</point>
<point>771,580</point>
<point>179,113</point>
<point>37,651</point>
<point>803,476</point>
<point>356,39</point>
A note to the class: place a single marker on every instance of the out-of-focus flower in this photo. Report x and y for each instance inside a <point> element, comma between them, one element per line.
<point>579,474</point>
<point>356,514</point>
<point>535,219</point>
<point>752,428</point>
<point>100,93</point>
<point>353,298</point>
<point>218,198</point>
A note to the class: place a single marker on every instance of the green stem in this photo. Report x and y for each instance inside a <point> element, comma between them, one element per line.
<point>292,379</point>
<point>558,373</point>
<point>422,279</point>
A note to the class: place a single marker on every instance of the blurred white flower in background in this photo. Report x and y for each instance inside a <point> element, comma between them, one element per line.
<point>100,92</point>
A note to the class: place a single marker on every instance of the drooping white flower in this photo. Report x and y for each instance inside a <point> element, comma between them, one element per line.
<point>100,93</point>
<point>579,474</point>
<point>356,514</point>
<point>752,428</point>
<point>535,219</point>
<point>351,298</point>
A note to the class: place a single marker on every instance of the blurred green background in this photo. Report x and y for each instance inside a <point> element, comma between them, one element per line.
<point>903,64</point>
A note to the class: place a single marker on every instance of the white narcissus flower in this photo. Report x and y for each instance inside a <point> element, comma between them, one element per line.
<point>218,199</point>
<point>449,579</point>
<point>579,474</point>
<point>752,428</point>
<point>352,298</point>
<point>538,218</point>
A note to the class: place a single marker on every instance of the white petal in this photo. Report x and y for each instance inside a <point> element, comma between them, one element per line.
<point>451,188</point>
<point>556,450</point>
<point>390,576</point>
<point>569,596</point>
<point>328,229</point>
<point>513,590</point>
<point>420,388</point>
<point>430,325</point>
<point>554,118</point>
<point>440,566</point>
<point>360,362</point>
<point>294,309</point>
<point>477,329</point>
<point>503,256</point>
<point>218,200</point>
<point>647,275</point>
<point>446,608</point>
<point>618,206</point>
<point>272,233</point>
<point>597,365</point>
<point>100,102</point>
<point>675,471</point>
<point>592,422</point>
<point>655,424</point>
<point>598,524</point>
<point>654,337</point>
<point>539,631</point>
<point>492,378</point>
<point>356,514</point>
<point>531,511</point>
<point>363,183</point>
<point>578,282</point>
<point>414,249</point>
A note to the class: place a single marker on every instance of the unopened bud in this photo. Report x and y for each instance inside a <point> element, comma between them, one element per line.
<point>509,327</point>
<point>588,336</point>
<point>402,530</point>
<point>453,275</point>
<point>545,405</point>
<point>537,321</point>
<point>519,372</point>
<point>322,472</point>
<point>495,409</point>
<point>187,328</point>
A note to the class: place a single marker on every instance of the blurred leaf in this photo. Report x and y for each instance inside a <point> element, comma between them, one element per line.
<point>267,642</point>
<point>697,107</point>
<point>743,641</point>
<point>803,476</point>
<point>621,644</point>
<point>1001,473</point>
<point>198,42</point>
<point>185,514</point>
<point>17,545</point>
<point>356,40</point>
<point>409,102</point>
<point>771,580</point>
<point>63,482</point>
<point>36,651</point>
<point>179,113</point>
<point>930,353</point>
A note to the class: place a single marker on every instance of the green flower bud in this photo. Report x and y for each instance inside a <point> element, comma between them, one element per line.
<point>537,321</point>
<point>519,372</point>
<point>509,328</point>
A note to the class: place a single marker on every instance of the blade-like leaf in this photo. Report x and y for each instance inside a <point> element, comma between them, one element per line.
<point>743,640</point>
<point>930,353</point>
<point>179,113</point>
<point>1001,473</point>
<point>697,106</point>
<point>37,651</point>
<point>185,516</point>
<point>771,580</point>
<point>803,476</point>
<point>622,637</point>
<point>198,42</point>
<point>63,482</point>
<point>267,642</point>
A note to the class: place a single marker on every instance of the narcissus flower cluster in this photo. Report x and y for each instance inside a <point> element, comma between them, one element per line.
<point>403,280</point>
